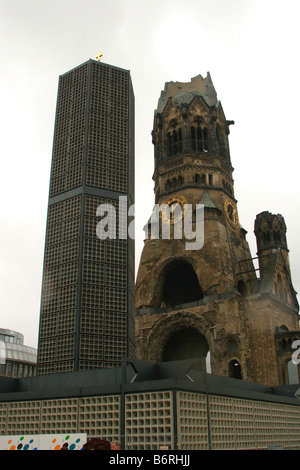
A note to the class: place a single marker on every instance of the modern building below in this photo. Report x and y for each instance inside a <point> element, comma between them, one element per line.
<point>16,359</point>
<point>151,406</point>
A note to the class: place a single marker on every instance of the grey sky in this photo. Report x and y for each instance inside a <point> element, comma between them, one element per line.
<point>251,49</point>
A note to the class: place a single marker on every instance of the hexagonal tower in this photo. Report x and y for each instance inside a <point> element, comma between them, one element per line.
<point>193,295</point>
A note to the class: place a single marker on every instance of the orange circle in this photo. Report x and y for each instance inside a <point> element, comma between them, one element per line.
<point>9,441</point>
<point>13,448</point>
<point>54,440</point>
<point>57,447</point>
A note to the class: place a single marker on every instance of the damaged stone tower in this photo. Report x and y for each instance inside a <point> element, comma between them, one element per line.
<point>211,303</point>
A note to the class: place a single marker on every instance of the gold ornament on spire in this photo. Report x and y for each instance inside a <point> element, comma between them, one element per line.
<point>99,56</point>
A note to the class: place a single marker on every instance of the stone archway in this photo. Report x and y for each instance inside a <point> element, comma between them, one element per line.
<point>177,284</point>
<point>178,336</point>
<point>181,285</point>
<point>186,343</point>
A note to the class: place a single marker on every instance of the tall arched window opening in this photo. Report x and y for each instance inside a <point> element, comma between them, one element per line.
<point>181,285</point>
<point>235,370</point>
<point>199,139</point>
<point>174,142</point>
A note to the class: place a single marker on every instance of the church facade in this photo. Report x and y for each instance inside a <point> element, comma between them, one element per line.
<point>211,301</point>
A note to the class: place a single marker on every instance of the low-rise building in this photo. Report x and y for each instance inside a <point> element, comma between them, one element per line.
<point>16,359</point>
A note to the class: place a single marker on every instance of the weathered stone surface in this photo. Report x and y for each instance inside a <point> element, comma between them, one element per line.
<point>193,301</point>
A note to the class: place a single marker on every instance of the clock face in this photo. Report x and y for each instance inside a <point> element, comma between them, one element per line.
<point>174,210</point>
<point>231,213</point>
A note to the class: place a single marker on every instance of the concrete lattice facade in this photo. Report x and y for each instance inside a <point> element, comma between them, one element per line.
<point>153,405</point>
<point>87,305</point>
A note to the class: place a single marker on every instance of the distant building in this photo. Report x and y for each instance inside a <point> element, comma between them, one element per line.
<point>16,359</point>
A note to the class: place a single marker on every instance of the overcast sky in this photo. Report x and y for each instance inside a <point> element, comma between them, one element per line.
<point>250,48</point>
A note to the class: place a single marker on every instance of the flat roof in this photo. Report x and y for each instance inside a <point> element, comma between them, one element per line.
<point>136,376</point>
<point>96,62</point>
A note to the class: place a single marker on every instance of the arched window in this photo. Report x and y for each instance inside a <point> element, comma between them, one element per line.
<point>265,237</point>
<point>242,288</point>
<point>235,370</point>
<point>283,328</point>
<point>199,139</point>
<point>201,178</point>
<point>168,185</point>
<point>180,180</point>
<point>174,183</point>
<point>277,236</point>
<point>174,142</point>
<point>181,285</point>
<point>231,346</point>
<point>220,140</point>
<point>186,343</point>
<point>205,140</point>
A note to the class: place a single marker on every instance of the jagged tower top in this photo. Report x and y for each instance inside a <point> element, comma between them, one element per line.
<point>184,92</point>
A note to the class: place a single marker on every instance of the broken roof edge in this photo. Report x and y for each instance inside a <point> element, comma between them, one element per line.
<point>187,90</point>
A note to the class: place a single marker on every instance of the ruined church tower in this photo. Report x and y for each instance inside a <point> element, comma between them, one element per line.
<point>207,300</point>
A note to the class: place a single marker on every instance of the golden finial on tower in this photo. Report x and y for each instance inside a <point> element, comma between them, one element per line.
<point>99,56</point>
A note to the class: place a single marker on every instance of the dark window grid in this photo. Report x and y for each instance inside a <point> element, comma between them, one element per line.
<point>104,280</point>
<point>84,365</point>
<point>108,183</point>
<point>93,250</point>
<point>64,367</point>
<point>59,212</point>
<point>115,157</point>
<point>108,175</point>
<point>66,230</point>
<point>91,321</point>
<point>115,328</point>
<point>62,253</point>
<point>117,184</point>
